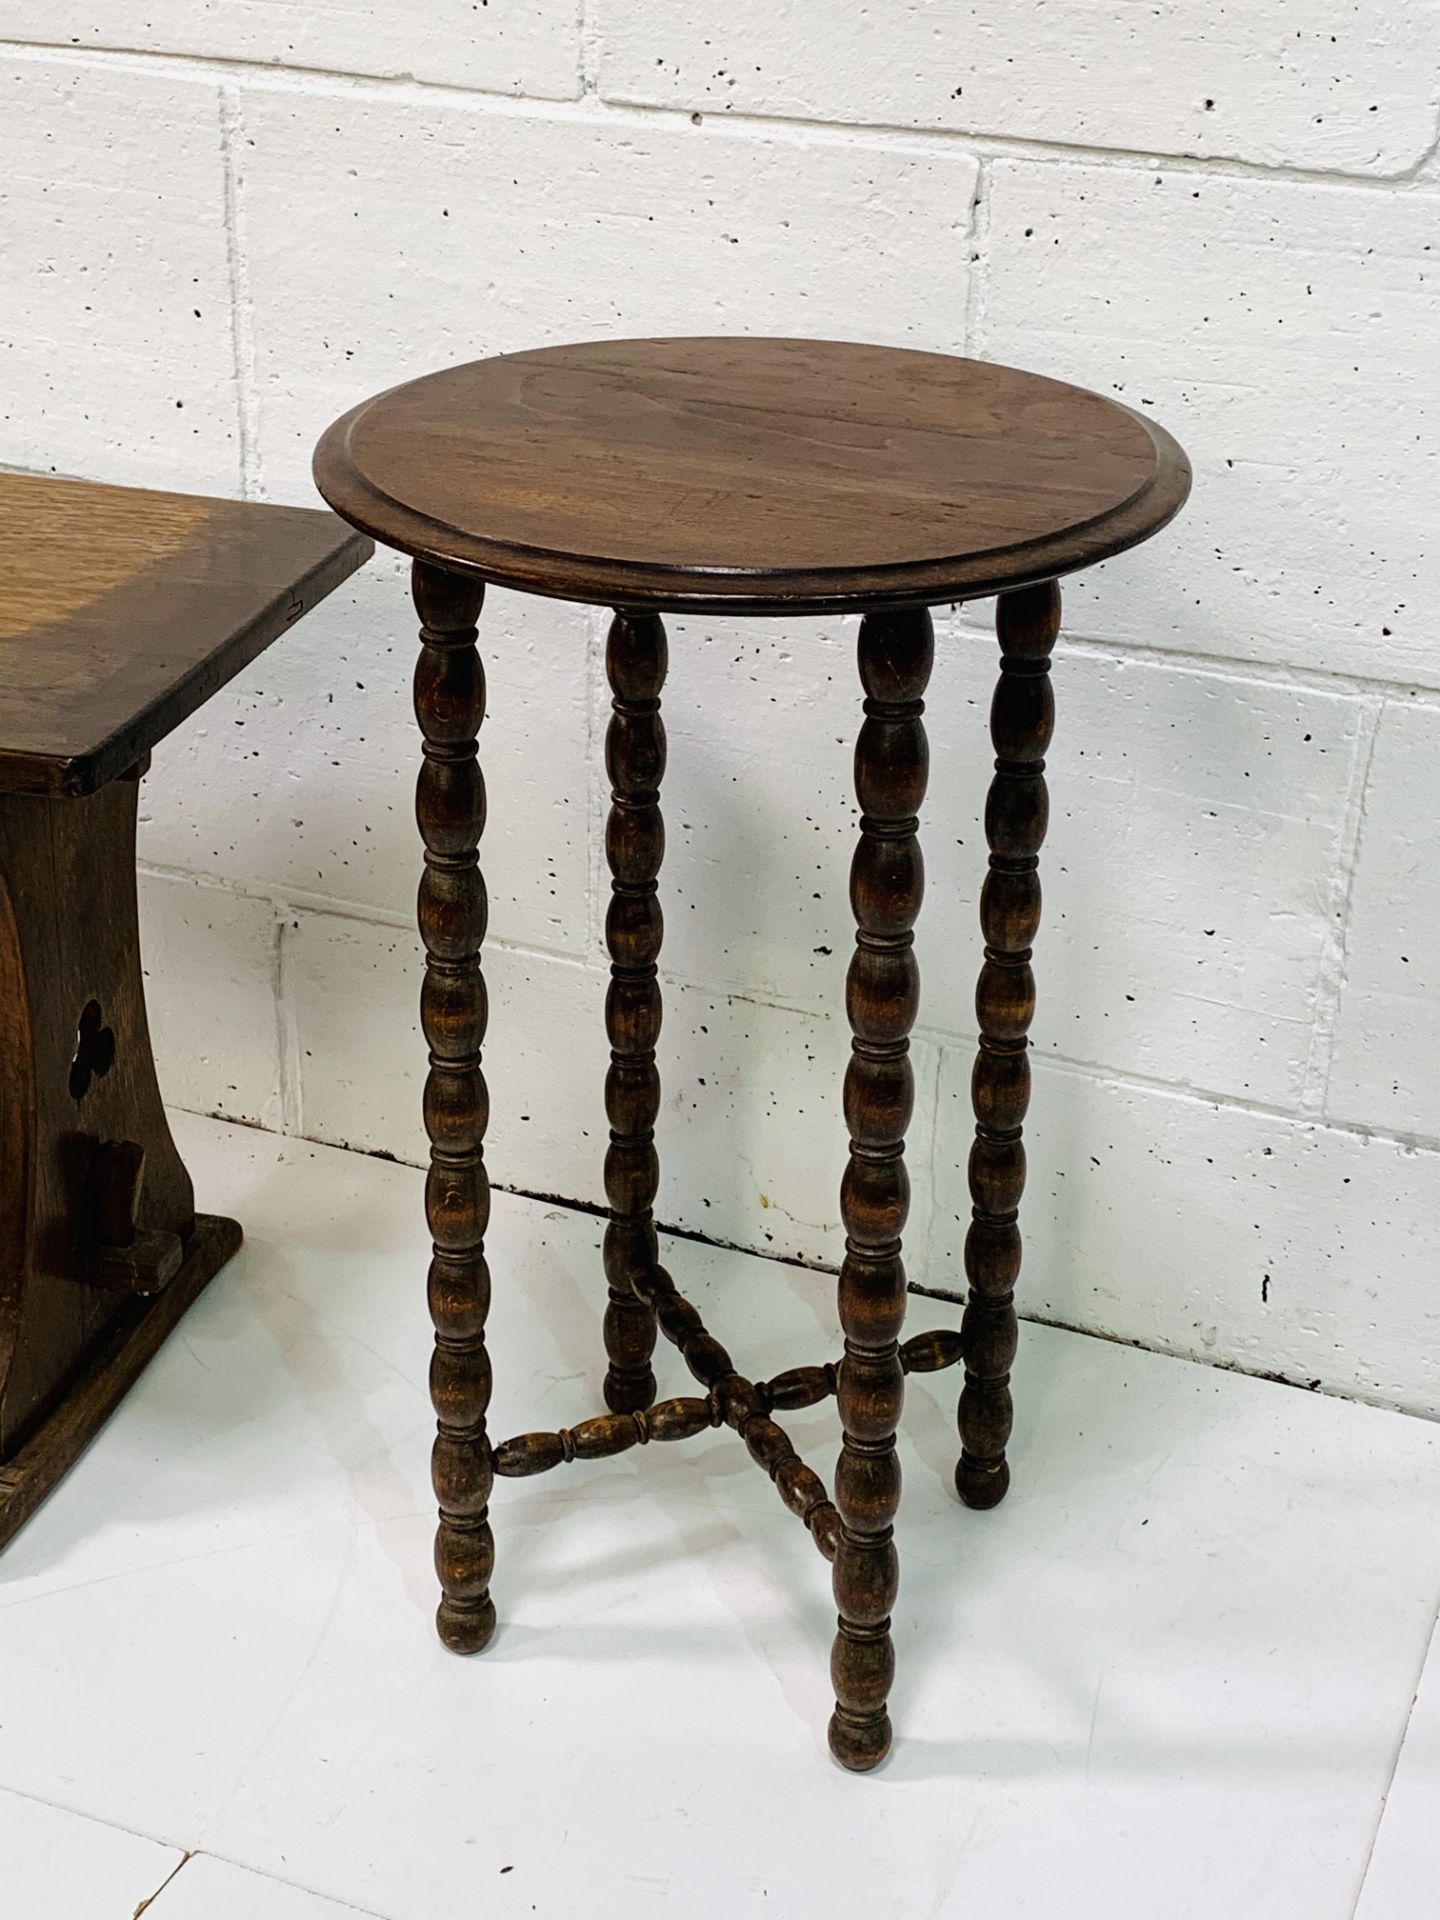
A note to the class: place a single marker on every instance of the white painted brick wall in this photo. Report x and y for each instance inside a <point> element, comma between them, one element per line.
<point>499,46</point>
<point>1231,214</point>
<point>1197,818</point>
<point>1387,1040</point>
<point>302,771</point>
<point>1286,332</point>
<point>211,960</point>
<point>116,321</point>
<point>1247,1238</point>
<point>386,232</point>
<point>750,1121</point>
<point>1332,84</point>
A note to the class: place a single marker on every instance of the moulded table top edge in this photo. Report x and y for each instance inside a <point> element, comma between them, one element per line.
<point>590,580</point>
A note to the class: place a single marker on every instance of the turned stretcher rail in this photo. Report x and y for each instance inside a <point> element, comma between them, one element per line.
<point>605,1434</point>
<point>800,1488</point>
<point>731,1400</point>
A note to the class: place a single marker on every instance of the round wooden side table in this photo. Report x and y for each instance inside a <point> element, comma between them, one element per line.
<point>745,476</point>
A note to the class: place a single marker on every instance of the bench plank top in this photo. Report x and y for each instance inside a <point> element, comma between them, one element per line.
<point>123,610</point>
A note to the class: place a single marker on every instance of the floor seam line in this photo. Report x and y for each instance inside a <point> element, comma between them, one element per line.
<point>151,1898</point>
<point>96,1819</point>
<point>295,1886</point>
<point>1432,1642</point>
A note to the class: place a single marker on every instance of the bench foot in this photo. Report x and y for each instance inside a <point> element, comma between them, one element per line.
<point>95,1392</point>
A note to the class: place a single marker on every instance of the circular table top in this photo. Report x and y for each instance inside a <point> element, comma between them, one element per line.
<point>755,475</point>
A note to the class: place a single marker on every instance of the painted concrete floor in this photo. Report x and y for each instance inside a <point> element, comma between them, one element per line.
<point>1172,1677</point>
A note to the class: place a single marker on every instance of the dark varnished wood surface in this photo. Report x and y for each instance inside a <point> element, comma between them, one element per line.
<point>454,1010</point>
<point>761,477</point>
<point>120,612</point>
<point>882,997</point>
<point>123,610</point>
<point>1017,815</point>
<point>758,475</point>
<point>69,940</point>
<point>636,656</point>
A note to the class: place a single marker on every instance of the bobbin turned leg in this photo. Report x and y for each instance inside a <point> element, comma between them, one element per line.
<point>635,660</point>
<point>450,808</point>
<point>882,997</point>
<point>1022,718</point>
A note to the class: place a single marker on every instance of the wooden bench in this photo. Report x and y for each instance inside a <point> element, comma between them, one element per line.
<point>121,612</point>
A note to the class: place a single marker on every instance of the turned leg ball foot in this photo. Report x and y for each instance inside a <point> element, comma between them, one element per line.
<point>982,1487</point>
<point>859,1744</point>
<point>464,1627</point>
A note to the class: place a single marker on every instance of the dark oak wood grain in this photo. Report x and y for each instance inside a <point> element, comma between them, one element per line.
<point>882,997</point>
<point>70,941</point>
<point>756,475</point>
<point>743,1406</point>
<point>120,611</point>
<point>450,809</point>
<point>1017,812</point>
<point>605,1435</point>
<point>635,663</point>
<point>762,477</point>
